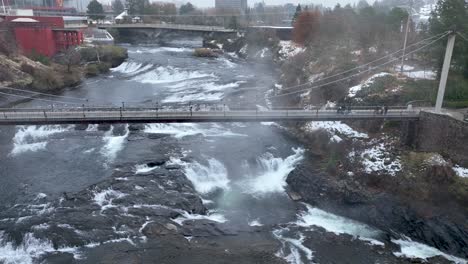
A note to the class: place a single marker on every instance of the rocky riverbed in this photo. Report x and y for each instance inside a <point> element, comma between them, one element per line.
<point>320,192</point>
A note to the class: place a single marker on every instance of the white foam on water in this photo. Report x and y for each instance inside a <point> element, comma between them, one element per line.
<point>183,130</point>
<point>144,168</point>
<point>194,97</point>
<point>28,251</point>
<point>338,225</point>
<point>255,222</point>
<point>113,144</point>
<point>31,138</point>
<point>275,172</point>
<point>294,246</point>
<point>40,196</point>
<point>132,68</point>
<point>104,198</point>
<point>199,91</point>
<point>89,150</point>
<point>92,128</point>
<point>185,216</point>
<point>169,75</point>
<point>227,62</point>
<point>159,49</point>
<point>414,250</point>
<point>205,178</point>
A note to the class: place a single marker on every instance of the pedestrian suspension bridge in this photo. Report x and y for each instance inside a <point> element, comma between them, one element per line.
<point>153,115</point>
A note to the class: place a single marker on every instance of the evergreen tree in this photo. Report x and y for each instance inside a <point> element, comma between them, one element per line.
<point>452,15</point>
<point>296,15</point>
<point>233,23</point>
<point>95,10</point>
<point>186,9</point>
<point>396,18</point>
<point>137,7</point>
<point>117,7</point>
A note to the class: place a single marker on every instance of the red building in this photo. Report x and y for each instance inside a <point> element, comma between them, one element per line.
<point>44,35</point>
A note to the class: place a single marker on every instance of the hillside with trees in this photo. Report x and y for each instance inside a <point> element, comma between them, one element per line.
<point>342,39</point>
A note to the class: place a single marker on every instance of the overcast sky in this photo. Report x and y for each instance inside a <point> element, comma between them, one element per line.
<point>208,3</point>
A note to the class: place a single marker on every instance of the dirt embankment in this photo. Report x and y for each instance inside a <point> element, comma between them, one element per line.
<point>50,75</point>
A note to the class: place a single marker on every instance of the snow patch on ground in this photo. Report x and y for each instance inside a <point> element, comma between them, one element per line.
<point>335,127</point>
<point>436,160</point>
<point>421,75</point>
<point>462,172</point>
<point>378,159</point>
<point>289,49</point>
<point>355,89</point>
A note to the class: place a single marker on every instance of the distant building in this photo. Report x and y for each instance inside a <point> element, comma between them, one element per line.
<point>231,4</point>
<point>46,35</point>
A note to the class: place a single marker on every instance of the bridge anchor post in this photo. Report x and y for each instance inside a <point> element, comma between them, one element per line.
<point>445,72</point>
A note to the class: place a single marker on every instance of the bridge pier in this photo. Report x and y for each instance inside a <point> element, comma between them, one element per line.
<point>409,133</point>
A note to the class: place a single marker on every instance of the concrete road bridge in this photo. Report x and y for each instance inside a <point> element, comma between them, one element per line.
<point>172,27</point>
<point>153,115</point>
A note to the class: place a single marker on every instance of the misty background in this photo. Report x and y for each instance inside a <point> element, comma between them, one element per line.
<point>328,3</point>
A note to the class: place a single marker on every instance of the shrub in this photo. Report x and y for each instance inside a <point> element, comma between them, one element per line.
<point>92,70</point>
<point>114,55</point>
<point>45,80</point>
<point>95,69</point>
<point>27,68</point>
<point>35,56</point>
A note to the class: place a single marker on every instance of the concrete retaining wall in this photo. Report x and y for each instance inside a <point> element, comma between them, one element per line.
<point>443,134</point>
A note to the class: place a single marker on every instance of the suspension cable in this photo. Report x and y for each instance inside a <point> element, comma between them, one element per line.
<point>357,74</point>
<point>46,94</point>
<point>462,36</point>
<point>364,65</point>
<point>33,98</point>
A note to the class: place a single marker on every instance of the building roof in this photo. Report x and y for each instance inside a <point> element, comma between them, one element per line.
<point>122,15</point>
<point>24,20</point>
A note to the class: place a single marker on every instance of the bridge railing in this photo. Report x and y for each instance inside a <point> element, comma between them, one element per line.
<point>120,113</point>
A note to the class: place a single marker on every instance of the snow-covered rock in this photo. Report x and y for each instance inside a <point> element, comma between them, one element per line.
<point>421,75</point>
<point>334,128</point>
<point>462,172</point>
<point>289,49</point>
<point>379,159</point>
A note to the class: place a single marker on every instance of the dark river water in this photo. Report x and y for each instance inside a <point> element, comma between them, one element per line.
<point>239,170</point>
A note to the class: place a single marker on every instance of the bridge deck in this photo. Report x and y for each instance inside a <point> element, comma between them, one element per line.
<point>93,116</point>
<point>169,27</point>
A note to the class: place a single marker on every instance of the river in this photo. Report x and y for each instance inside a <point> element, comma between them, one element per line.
<point>88,194</point>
